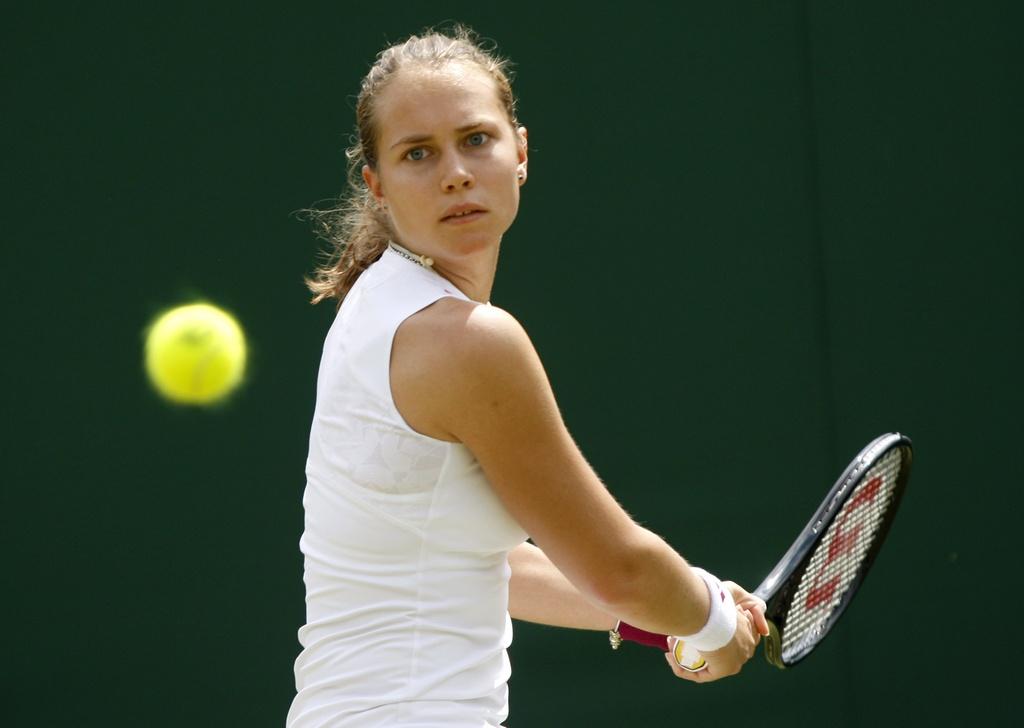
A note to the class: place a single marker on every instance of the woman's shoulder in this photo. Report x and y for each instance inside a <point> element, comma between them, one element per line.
<point>456,342</point>
<point>451,354</point>
<point>462,328</point>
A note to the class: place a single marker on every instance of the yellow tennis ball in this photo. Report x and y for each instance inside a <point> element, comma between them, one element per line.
<point>195,354</point>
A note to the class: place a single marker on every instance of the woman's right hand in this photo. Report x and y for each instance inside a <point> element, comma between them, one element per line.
<point>729,659</point>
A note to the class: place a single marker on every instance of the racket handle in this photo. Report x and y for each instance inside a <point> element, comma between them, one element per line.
<point>687,657</point>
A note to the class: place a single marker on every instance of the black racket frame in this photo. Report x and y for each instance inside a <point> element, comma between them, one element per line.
<point>778,587</point>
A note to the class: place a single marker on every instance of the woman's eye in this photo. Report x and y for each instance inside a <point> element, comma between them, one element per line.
<point>475,140</point>
<point>416,154</point>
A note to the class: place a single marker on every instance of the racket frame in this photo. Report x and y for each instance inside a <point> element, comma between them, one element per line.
<point>785,577</point>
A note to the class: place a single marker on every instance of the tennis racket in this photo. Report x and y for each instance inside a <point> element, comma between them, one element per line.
<point>817,578</point>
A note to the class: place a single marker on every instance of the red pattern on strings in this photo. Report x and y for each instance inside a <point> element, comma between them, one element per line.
<point>822,594</point>
<point>841,543</point>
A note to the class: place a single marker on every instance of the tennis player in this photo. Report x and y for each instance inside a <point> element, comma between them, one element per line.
<point>436,446</point>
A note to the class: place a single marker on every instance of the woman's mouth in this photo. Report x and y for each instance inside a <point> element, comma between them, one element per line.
<point>460,218</point>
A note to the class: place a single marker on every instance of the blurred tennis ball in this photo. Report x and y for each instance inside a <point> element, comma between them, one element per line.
<point>195,354</point>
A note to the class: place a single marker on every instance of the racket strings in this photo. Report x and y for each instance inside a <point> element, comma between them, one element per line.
<point>839,556</point>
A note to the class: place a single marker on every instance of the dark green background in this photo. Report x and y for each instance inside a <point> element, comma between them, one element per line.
<point>756,234</point>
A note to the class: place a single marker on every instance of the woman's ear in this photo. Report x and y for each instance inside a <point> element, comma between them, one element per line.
<point>373,184</point>
<point>523,153</point>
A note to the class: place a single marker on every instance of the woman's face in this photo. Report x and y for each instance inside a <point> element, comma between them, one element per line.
<point>448,160</point>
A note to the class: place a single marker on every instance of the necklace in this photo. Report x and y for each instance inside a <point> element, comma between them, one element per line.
<point>420,260</point>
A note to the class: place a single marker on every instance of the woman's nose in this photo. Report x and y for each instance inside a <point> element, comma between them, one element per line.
<point>456,175</point>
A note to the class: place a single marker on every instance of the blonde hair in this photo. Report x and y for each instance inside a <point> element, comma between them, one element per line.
<point>354,227</point>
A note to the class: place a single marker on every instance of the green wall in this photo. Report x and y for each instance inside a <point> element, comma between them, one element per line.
<point>756,234</point>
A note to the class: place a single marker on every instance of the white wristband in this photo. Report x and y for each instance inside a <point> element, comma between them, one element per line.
<point>721,624</point>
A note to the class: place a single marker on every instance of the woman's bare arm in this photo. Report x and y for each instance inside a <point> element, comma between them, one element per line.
<point>468,373</point>
<point>539,592</point>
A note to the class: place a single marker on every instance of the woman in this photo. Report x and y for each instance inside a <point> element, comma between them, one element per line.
<point>437,447</point>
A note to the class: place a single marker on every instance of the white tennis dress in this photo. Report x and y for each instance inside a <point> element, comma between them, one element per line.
<point>405,544</point>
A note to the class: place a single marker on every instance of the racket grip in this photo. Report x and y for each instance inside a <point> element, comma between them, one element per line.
<point>687,657</point>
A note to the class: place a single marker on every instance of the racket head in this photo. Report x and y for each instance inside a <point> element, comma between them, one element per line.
<point>815,581</point>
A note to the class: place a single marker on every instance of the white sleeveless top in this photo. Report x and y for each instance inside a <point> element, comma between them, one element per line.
<point>405,544</point>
